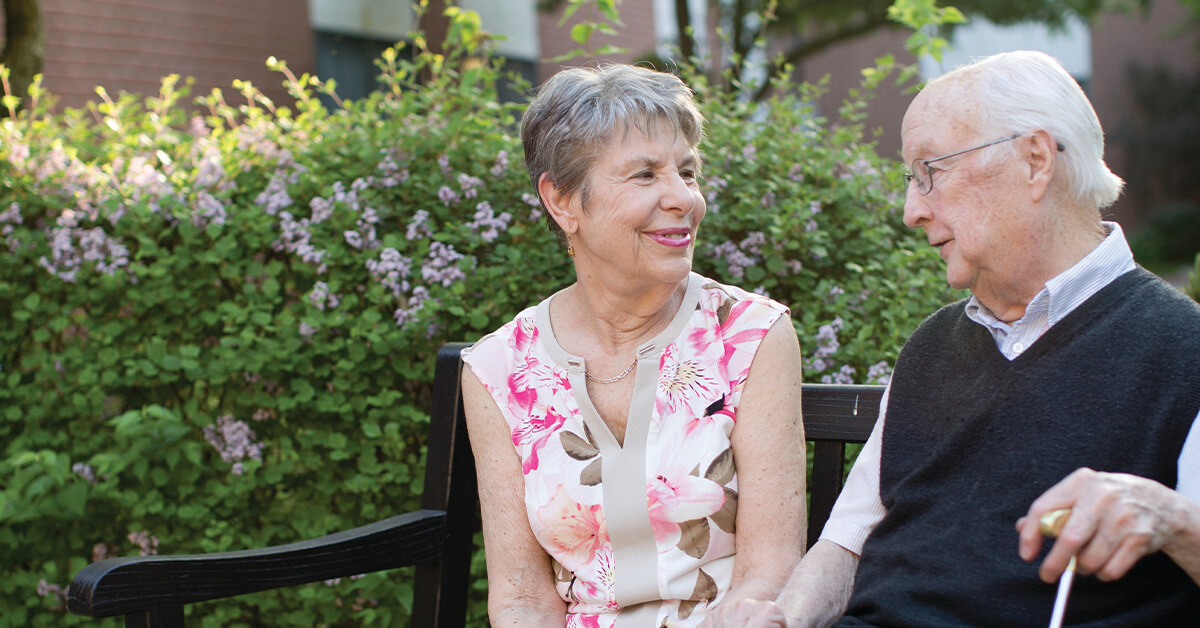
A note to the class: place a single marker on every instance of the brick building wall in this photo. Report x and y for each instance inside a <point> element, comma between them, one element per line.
<point>130,45</point>
<point>1119,43</point>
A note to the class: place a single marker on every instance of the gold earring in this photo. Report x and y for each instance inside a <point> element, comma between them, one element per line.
<point>570,251</point>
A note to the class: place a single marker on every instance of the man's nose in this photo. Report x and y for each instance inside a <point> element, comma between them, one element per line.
<point>916,207</point>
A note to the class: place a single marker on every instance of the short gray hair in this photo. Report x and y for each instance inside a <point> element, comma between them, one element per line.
<point>1025,91</point>
<point>579,110</point>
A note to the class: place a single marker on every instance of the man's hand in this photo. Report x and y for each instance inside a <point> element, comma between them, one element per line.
<point>746,614</point>
<point>1116,519</point>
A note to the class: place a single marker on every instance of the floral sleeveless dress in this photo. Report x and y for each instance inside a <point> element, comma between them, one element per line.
<point>640,533</point>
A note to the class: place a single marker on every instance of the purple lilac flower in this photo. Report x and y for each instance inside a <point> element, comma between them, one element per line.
<point>814,207</point>
<point>734,256</point>
<point>18,153</point>
<point>392,270</point>
<point>845,375</point>
<point>833,294</point>
<point>447,195</point>
<point>440,265</point>
<point>416,301</point>
<point>307,330</point>
<point>418,227</point>
<point>295,238</point>
<point>749,152</point>
<point>145,541</point>
<point>469,184</point>
<point>10,217</point>
<point>753,242</point>
<point>105,253</point>
<point>501,164</point>
<point>489,222</point>
<point>275,197</point>
<point>234,440</point>
<point>58,593</point>
<point>322,298</point>
<point>532,200</point>
<point>444,163</point>
<point>347,198</point>
<point>85,471</point>
<point>209,211</point>
<point>879,373</point>
<point>827,345</point>
<point>392,174</point>
<point>322,210</point>
<point>767,199</point>
<point>366,227</point>
<point>796,173</point>
<point>811,226</point>
<point>211,172</point>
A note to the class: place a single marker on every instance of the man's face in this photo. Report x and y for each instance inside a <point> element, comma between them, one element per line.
<point>973,214</point>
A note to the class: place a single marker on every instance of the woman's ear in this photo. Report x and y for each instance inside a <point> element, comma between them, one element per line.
<point>1043,156</point>
<point>559,205</point>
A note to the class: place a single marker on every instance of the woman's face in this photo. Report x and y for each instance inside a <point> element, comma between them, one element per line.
<point>637,221</point>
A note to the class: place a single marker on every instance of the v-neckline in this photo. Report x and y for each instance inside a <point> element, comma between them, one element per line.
<point>649,355</point>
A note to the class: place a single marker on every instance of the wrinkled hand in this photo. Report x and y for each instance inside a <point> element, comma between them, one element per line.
<point>746,614</point>
<point>1116,519</point>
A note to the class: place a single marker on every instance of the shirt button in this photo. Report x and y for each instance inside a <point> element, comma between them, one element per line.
<point>1019,347</point>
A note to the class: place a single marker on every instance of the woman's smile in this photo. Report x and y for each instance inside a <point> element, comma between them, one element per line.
<point>678,237</point>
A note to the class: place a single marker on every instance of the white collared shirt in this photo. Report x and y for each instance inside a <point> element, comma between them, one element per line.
<point>859,507</point>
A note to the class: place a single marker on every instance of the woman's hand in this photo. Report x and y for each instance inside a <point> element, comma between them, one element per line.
<point>746,614</point>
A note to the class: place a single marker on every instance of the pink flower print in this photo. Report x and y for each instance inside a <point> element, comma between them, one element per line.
<point>524,335</point>
<point>573,532</point>
<point>674,497</point>
<point>715,415</point>
<point>683,382</point>
<point>583,621</point>
<point>535,432</point>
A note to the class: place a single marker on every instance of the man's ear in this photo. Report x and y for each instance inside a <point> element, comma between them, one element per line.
<point>558,204</point>
<point>1043,157</point>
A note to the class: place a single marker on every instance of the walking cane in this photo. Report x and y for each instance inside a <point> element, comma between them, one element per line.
<point>1051,525</point>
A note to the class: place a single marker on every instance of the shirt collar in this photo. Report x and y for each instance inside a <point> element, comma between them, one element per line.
<point>1069,289</point>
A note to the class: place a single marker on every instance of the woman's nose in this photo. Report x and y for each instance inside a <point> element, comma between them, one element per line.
<point>680,196</point>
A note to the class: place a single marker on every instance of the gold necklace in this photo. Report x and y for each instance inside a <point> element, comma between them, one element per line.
<point>612,379</point>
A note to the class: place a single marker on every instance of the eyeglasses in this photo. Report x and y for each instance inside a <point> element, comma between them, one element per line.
<point>923,174</point>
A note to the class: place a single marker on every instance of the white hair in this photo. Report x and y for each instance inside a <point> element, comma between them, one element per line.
<point>1026,91</point>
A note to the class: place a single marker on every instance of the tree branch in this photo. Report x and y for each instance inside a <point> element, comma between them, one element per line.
<point>807,47</point>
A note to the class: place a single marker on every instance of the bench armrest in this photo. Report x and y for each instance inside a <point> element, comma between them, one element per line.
<point>121,586</point>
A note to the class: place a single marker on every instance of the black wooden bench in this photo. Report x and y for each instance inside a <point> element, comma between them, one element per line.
<point>151,591</point>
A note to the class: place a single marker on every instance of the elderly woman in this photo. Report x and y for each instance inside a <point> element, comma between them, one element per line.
<point>638,434</point>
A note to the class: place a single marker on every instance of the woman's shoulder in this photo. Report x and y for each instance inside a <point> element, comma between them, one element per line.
<point>517,332</point>
<point>719,297</point>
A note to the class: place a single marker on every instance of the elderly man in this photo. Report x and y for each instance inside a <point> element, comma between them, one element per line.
<point>1069,379</point>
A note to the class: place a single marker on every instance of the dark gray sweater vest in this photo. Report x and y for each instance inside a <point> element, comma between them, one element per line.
<point>972,439</point>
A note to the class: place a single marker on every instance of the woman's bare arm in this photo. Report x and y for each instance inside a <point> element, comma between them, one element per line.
<point>768,449</point>
<point>520,582</point>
